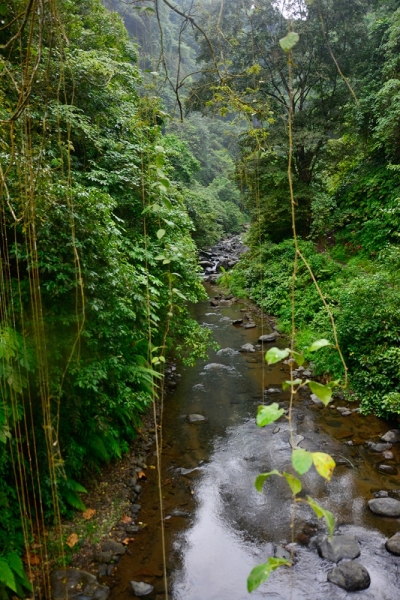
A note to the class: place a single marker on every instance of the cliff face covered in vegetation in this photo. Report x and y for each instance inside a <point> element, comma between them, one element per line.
<point>97,257</point>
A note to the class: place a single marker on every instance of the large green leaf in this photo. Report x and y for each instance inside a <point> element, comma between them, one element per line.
<point>324,392</point>
<point>268,414</point>
<point>319,344</point>
<point>299,358</point>
<point>261,573</point>
<point>302,460</point>
<point>274,355</point>
<point>288,384</point>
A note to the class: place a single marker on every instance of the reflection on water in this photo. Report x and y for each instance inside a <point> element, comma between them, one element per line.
<point>231,527</point>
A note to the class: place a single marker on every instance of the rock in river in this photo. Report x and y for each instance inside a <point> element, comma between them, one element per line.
<point>393,544</point>
<point>67,584</point>
<point>269,337</point>
<point>378,447</point>
<point>389,469</point>
<point>385,507</point>
<point>247,348</point>
<point>392,436</point>
<point>193,418</point>
<point>350,576</point>
<point>141,588</point>
<point>340,546</point>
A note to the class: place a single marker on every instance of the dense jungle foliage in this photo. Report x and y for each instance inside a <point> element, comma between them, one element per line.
<point>133,135</point>
<point>346,117</point>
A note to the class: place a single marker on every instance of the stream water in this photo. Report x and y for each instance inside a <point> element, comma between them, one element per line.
<point>218,527</point>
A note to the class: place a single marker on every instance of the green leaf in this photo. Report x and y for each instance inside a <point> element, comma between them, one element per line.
<point>323,392</point>
<point>7,576</point>
<point>322,512</point>
<point>274,355</point>
<point>319,344</point>
<point>268,414</point>
<point>324,464</point>
<point>288,384</point>
<point>299,358</point>
<point>167,203</point>
<point>261,573</point>
<point>294,483</point>
<point>262,477</point>
<point>289,41</point>
<point>3,8</point>
<point>301,460</point>
<point>160,257</point>
<point>160,233</point>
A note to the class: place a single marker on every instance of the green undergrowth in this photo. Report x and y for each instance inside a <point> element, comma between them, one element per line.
<point>364,296</point>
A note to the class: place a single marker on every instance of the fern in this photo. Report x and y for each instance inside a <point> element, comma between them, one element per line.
<point>12,574</point>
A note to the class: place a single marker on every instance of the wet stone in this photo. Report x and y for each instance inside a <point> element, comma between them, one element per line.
<point>378,447</point>
<point>340,546</point>
<point>194,418</point>
<point>104,557</point>
<point>346,413</point>
<point>351,576</point>
<point>267,338</point>
<point>392,436</point>
<point>316,400</point>
<point>388,455</point>
<point>381,494</point>
<point>385,507</point>
<point>67,584</point>
<point>389,469</point>
<point>247,348</point>
<point>273,391</point>
<point>141,588</point>
<point>112,546</point>
<point>249,326</point>
<point>281,552</point>
<point>393,544</point>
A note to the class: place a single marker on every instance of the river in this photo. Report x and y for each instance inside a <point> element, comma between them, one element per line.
<point>218,527</point>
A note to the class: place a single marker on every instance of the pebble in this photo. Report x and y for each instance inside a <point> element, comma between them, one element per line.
<point>389,469</point>
<point>385,507</point>
<point>194,418</point>
<point>388,455</point>
<point>346,413</point>
<point>141,588</point>
<point>351,576</point>
<point>276,430</point>
<point>249,326</point>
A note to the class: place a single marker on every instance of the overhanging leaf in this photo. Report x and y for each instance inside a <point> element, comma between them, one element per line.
<point>288,384</point>
<point>289,41</point>
<point>293,482</point>
<point>299,358</point>
<point>322,512</point>
<point>323,392</point>
<point>301,460</point>
<point>268,414</point>
<point>262,477</point>
<point>319,344</point>
<point>160,233</point>
<point>324,464</point>
<point>261,573</point>
<point>274,355</point>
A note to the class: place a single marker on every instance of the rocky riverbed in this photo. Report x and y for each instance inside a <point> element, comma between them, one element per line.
<point>217,526</point>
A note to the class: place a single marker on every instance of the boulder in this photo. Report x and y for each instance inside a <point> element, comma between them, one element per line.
<point>351,576</point>
<point>385,507</point>
<point>392,436</point>
<point>340,546</point>
<point>67,584</point>
<point>141,588</point>
<point>267,338</point>
<point>393,544</point>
